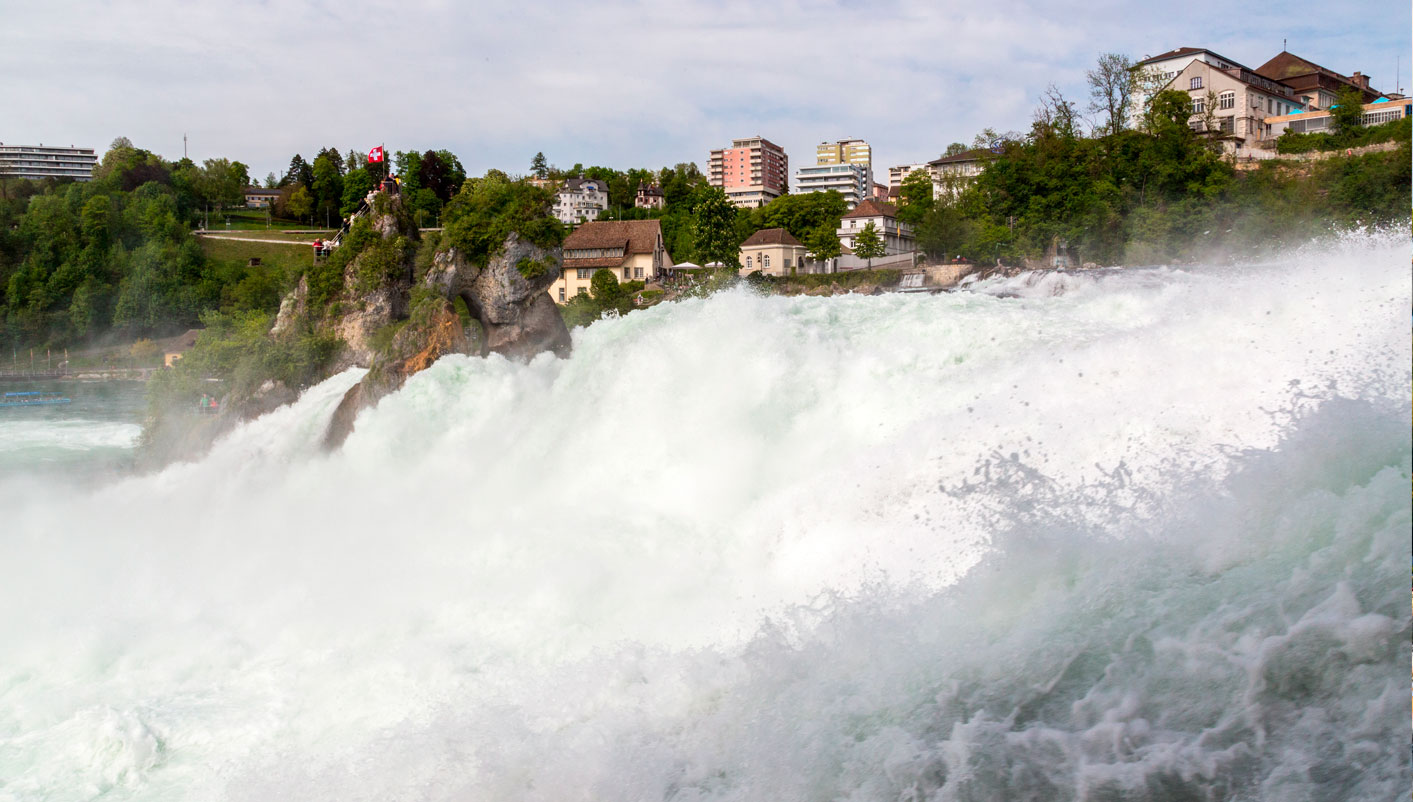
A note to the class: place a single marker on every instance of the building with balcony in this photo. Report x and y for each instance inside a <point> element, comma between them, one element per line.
<point>1155,73</point>
<point>952,174</point>
<point>849,180</point>
<point>580,200</point>
<point>632,249</point>
<point>897,237</point>
<point>1233,104</point>
<point>847,151</point>
<point>752,172</point>
<point>896,175</point>
<point>772,251</point>
<point>649,196</point>
<point>38,161</point>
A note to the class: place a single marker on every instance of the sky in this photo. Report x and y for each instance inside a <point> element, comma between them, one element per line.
<point>612,83</point>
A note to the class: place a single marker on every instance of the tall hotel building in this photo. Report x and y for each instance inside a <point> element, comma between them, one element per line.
<point>38,161</point>
<point>752,172</point>
<point>845,166</point>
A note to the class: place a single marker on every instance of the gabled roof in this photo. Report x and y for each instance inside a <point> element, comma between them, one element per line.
<point>1188,51</point>
<point>650,189</point>
<point>1286,65</point>
<point>261,191</point>
<point>968,156</point>
<point>872,208</point>
<point>771,236</point>
<point>575,184</point>
<point>634,236</point>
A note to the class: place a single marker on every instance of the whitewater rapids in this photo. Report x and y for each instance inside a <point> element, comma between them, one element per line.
<point>1129,535</point>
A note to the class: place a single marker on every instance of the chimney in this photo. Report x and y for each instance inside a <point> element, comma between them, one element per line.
<point>1360,79</point>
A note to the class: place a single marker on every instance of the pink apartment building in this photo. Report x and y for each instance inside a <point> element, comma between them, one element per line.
<point>752,172</point>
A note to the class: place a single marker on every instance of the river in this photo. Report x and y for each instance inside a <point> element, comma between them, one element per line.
<point>1138,534</point>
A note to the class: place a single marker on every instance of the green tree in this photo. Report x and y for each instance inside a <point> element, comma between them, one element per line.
<point>301,203</point>
<point>867,244</point>
<point>714,238</point>
<point>1111,85</point>
<point>328,188</point>
<point>915,195</point>
<point>955,149</point>
<point>604,287</point>
<point>823,244</point>
<point>539,166</point>
<point>1347,112</point>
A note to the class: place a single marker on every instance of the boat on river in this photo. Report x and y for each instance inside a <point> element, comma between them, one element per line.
<point>33,398</point>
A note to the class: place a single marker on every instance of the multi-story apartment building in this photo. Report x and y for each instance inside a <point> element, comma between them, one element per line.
<point>849,180</point>
<point>39,161</point>
<point>632,249</point>
<point>952,174</point>
<point>847,151</point>
<point>580,199</point>
<point>1155,73</point>
<point>897,237</point>
<point>896,175</point>
<point>1233,103</point>
<point>752,172</point>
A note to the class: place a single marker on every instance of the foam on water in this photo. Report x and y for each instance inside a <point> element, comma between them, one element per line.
<point>1134,535</point>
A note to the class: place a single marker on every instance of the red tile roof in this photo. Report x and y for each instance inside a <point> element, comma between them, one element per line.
<point>872,208</point>
<point>634,236</point>
<point>771,236</point>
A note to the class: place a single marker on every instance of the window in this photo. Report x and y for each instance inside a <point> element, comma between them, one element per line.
<point>585,272</point>
<point>561,295</point>
<point>1228,100</point>
<point>765,261</point>
<point>1198,105</point>
<point>637,272</point>
<point>582,291</point>
<point>1195,83</point>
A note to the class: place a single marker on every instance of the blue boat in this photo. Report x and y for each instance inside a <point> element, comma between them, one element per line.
<point>33,398</point>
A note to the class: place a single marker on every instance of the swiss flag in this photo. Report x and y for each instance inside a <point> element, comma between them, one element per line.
<point>375,155</point>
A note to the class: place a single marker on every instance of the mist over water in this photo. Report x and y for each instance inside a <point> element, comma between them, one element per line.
<point>1135,534</point>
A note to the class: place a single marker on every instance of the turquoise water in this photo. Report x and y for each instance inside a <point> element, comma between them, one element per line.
<point>92,437</point>
<point>1138,535</point>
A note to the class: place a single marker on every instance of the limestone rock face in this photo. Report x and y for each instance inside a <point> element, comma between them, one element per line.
<point>519,317</point>
<point>292,307</point>
<point>364,314</point>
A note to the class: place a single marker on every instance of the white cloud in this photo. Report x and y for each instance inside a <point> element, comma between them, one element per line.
<point>620,83</point>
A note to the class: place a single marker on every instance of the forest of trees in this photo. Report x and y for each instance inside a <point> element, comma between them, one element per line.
<point>114,258</point>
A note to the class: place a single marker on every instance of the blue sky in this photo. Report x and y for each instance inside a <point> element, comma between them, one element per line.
<point>622,84</point>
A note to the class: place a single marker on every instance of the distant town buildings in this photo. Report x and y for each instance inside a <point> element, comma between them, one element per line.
<point>849,180</point>
<point>39,161</point>
<point>649,196</point>
<point>632,249</point>
<point>896,175</point>
<point>1236,103</point>
<point>752,172</point>
<point>259,198</point>
<point>844,166</point>
<point>579,200</point>
<point>773,251</point>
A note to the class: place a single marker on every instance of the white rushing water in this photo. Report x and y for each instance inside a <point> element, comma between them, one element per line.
<point>1134,534</point>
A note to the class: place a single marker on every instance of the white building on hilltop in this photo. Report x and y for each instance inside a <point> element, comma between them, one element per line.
<point>580,200</point>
